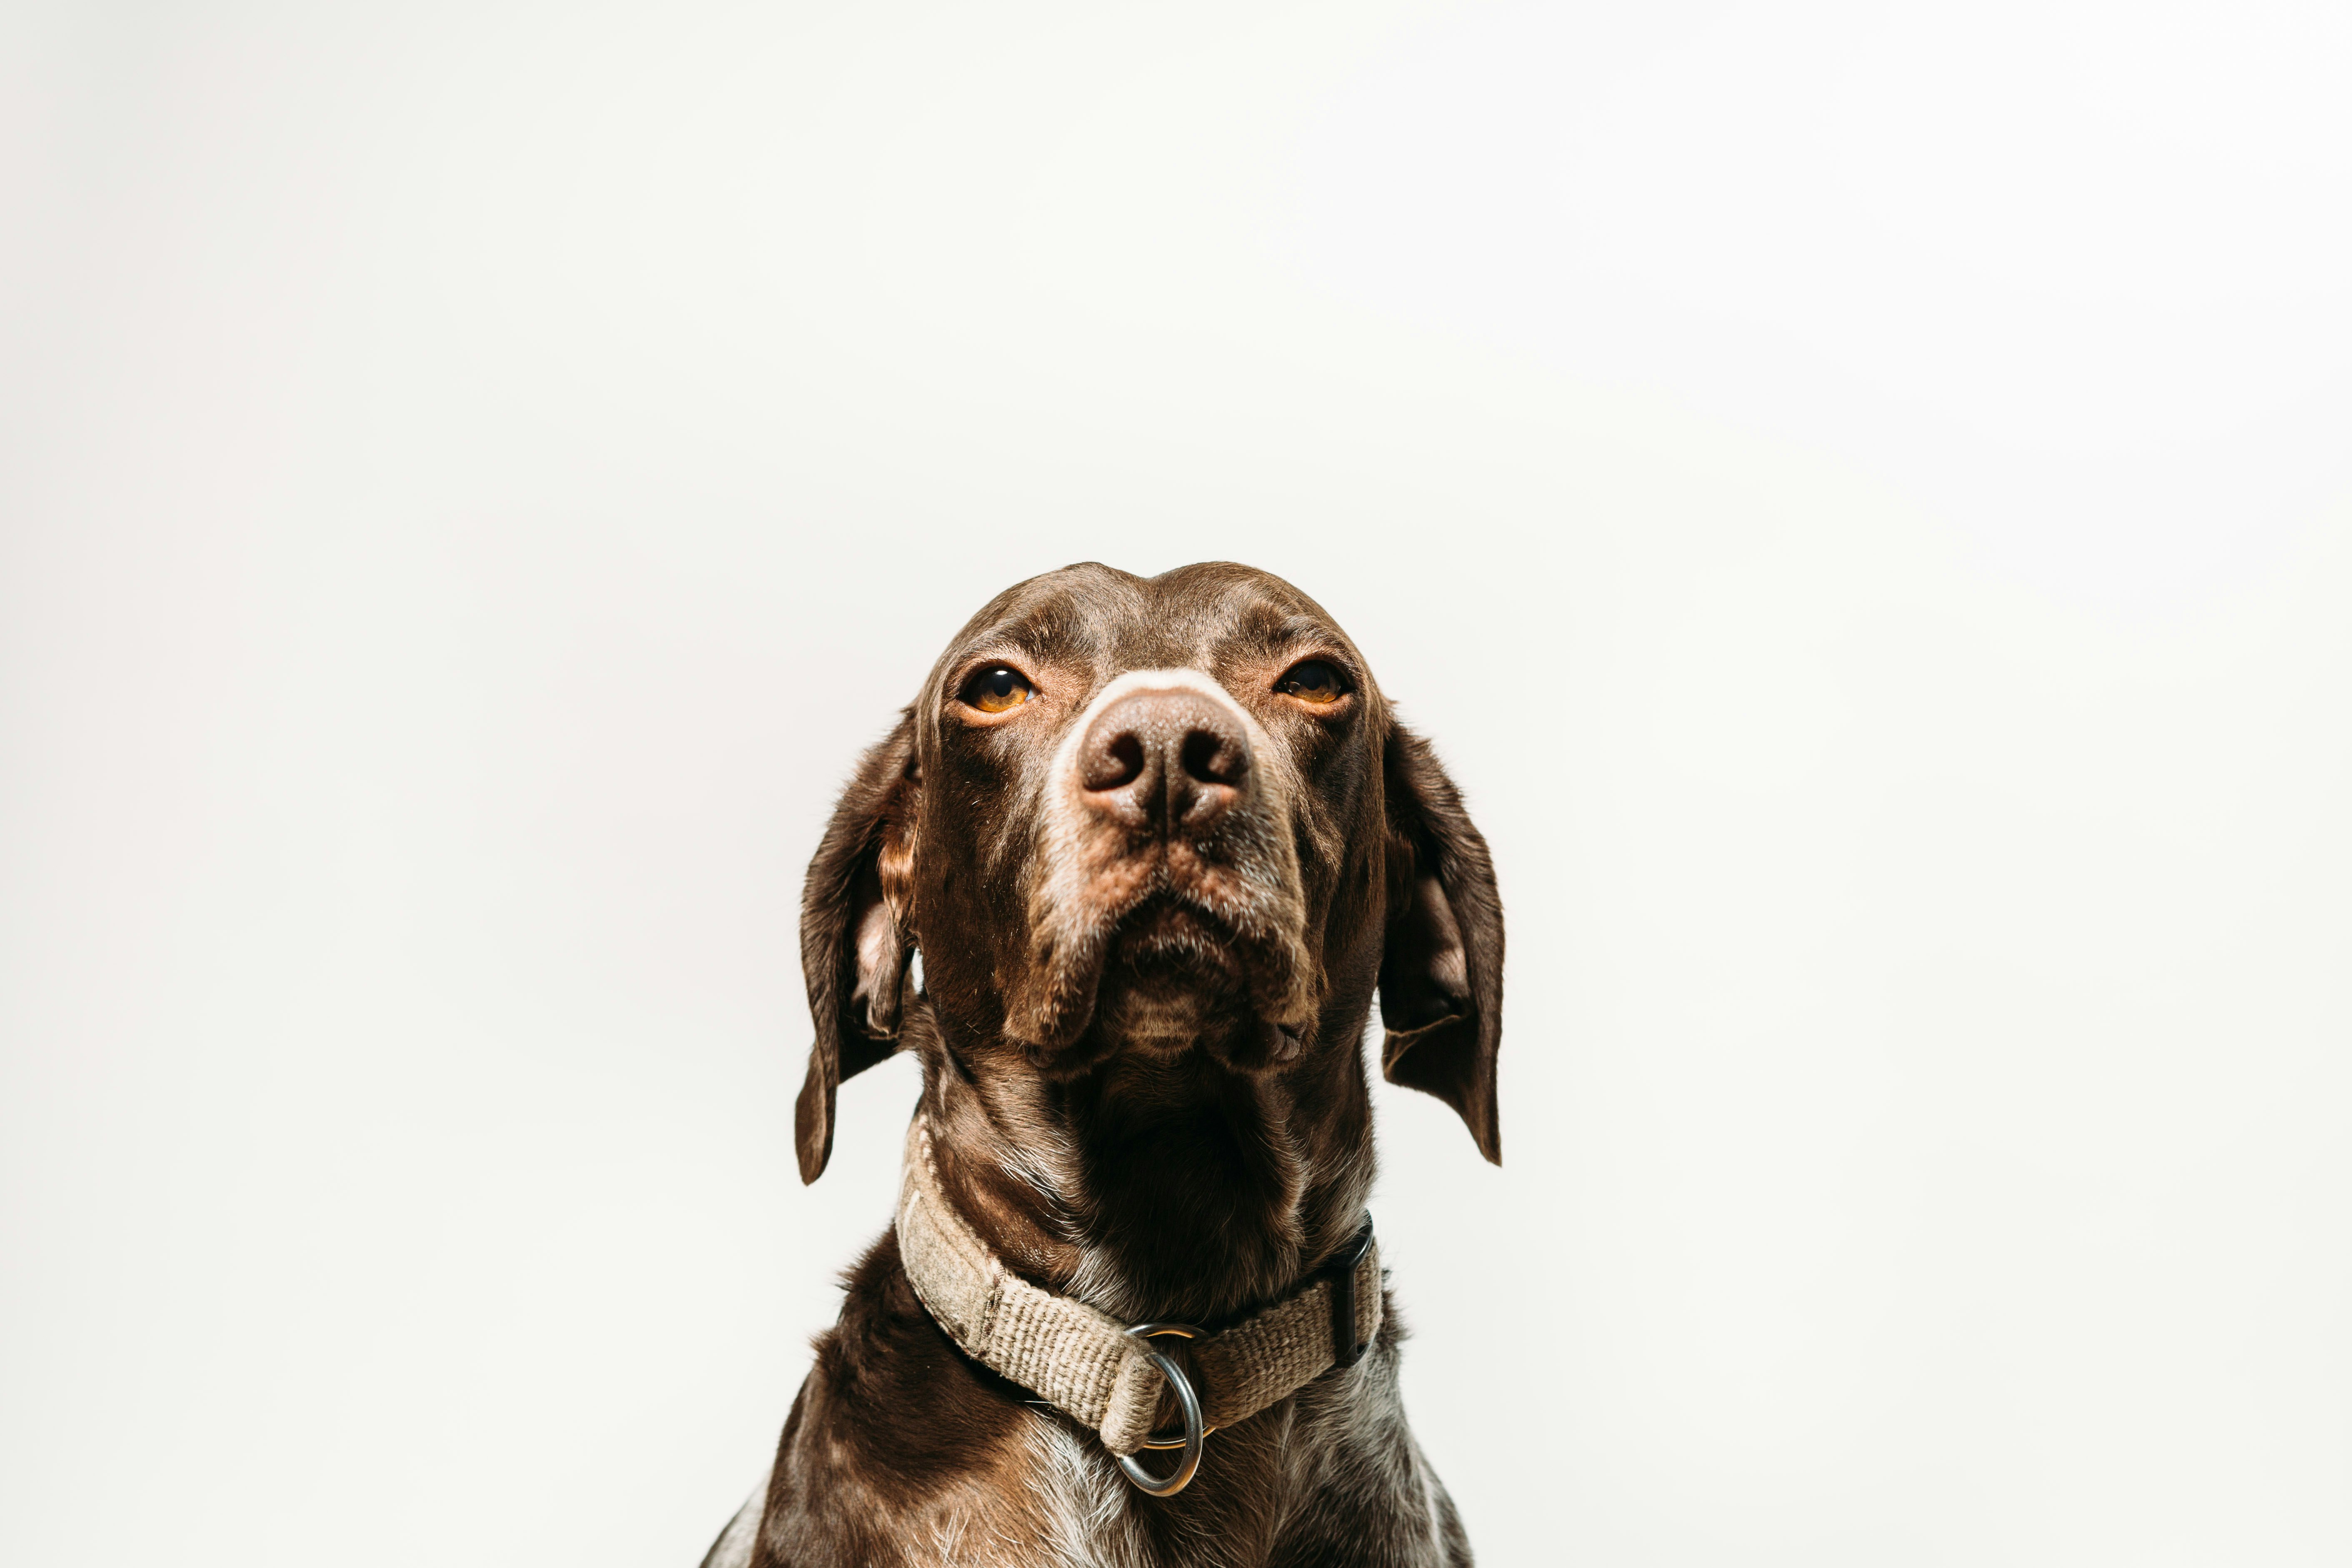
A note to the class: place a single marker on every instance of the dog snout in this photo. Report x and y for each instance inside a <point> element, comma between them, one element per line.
<point>1166,761</point>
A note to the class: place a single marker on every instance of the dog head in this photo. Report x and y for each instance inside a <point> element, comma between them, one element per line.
<point>1153,818</point>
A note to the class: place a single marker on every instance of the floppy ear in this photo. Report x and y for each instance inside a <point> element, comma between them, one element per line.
<point>856,933</point>
<point>1441,970</point>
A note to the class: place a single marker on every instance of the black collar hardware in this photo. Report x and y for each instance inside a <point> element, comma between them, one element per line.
<point>1341,1271</point>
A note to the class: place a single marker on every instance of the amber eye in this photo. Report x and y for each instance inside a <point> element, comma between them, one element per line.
<point>999,689</point>
<point>1312,680</point>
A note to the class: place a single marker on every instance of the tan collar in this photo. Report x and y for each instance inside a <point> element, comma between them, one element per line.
<point>1101,1372</point>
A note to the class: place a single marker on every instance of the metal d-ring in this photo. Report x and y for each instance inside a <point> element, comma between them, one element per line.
<point>1196,1426</point>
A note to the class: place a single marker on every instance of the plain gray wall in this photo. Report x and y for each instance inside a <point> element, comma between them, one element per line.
<point>1855,495</point>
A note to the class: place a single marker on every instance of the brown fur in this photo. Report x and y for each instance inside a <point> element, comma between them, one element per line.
<point>1139,1039</point>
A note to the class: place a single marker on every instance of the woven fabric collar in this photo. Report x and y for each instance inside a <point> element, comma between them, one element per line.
<point>1087,1364</point>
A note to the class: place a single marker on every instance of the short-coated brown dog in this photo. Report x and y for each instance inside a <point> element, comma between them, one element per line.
<point>1159,843</point>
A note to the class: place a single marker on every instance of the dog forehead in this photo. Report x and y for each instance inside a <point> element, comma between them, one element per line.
<point>1191,616</point>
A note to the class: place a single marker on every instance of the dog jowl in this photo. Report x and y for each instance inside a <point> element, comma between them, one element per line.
<point>1161,846</point>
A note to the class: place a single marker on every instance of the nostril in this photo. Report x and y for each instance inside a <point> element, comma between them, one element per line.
<point>1117,764</point>
<point>1213,758</point>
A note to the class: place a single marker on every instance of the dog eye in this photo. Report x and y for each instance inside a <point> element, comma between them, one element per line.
<point>999,689</point>
<point>1312,680</point>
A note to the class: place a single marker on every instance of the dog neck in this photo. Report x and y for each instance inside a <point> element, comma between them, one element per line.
<point>1157,1183</point>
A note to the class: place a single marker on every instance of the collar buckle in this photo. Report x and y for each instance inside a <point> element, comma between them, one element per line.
<point>1346,1350</point>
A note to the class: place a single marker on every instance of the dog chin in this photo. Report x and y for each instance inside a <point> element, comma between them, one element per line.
<point>1175,979</point>
<point>1164,977</point>
<point>1171,976</point>
<point>1160,1007</point>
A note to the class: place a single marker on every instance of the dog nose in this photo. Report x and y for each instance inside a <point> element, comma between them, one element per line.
<point>1169,761</point>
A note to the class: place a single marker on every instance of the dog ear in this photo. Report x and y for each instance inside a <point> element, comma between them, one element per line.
<point>1442,969</point>
<point>856,933</point>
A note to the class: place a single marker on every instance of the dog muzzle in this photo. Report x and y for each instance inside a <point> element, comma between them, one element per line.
<point>1106,1374</point>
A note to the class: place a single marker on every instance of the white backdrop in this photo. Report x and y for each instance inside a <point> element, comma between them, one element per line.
<point>1856,493</point>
